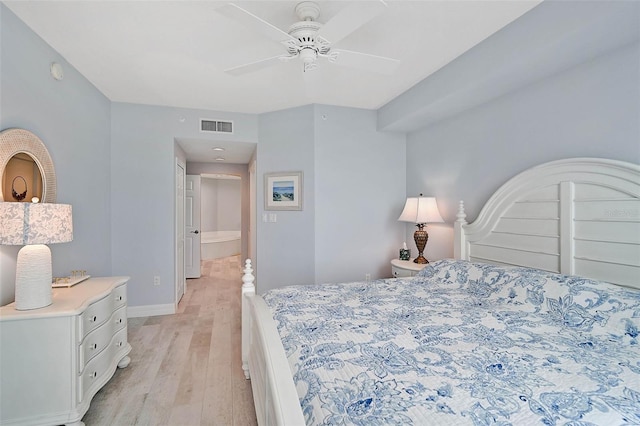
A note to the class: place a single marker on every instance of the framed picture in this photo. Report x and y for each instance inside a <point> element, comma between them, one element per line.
<point>283,191</point>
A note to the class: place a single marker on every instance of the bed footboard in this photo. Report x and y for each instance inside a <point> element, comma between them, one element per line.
<point>265,362</point>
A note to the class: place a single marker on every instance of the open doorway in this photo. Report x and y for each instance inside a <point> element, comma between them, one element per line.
<point>206,157</point>
<point>220,215</point>
<point>225,206</point>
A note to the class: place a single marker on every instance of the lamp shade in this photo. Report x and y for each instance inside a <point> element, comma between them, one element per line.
<point>420,210</point>
<point>28,223</point>
<point>34,226</point>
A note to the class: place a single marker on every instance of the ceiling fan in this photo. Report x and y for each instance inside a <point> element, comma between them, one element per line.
<point>309,39</point>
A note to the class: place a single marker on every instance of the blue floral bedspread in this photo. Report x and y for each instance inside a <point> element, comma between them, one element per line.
<point>463,343</point>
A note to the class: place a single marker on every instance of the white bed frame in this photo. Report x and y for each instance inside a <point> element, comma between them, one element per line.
<point>576,216</point>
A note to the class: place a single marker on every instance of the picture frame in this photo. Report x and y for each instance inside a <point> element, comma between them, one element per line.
<point>283,191</point>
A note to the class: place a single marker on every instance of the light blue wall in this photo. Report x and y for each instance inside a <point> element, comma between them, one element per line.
<point>73,120</point>
<point>229,208</point>
<point>563,80</point>
<point>286,248</point>
<point>143,182</point>
<point>354,186</point>
<point>359,194</point>
<point>552,37</point>
<point>592,110</point>
<point>220,203</point>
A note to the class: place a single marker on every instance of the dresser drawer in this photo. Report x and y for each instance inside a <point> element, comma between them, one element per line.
<point>401,273</point>
<point>405,268</point>
<point>96,341</point>
<point>119,296</point>
<point>101,365</point>
<point>98,312</point>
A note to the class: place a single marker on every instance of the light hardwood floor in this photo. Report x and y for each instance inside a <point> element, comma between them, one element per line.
<point>185,368</point>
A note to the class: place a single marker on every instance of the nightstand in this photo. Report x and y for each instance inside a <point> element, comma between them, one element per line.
<point>405,268</point>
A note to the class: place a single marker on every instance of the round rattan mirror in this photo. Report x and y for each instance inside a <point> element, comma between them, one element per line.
<point>21,145</point>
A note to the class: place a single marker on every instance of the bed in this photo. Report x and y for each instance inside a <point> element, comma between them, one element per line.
<point>536,321</point>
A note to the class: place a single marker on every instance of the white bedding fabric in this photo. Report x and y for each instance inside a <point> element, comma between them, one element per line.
<point>463,343</point>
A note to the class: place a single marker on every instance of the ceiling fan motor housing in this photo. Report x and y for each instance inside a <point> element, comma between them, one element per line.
<point>307,45</point>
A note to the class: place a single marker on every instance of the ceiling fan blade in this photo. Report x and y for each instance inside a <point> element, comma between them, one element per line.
<point>364,61</point>
<point>350,19</point>
<point>258,65</point>
<point>254,23</point>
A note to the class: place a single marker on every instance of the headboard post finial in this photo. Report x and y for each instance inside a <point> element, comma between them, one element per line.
<point>248,278</point>
<point>459,241</point>
<point>461,215</point>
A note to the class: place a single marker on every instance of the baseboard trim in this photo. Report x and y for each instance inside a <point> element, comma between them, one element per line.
<point>150,310</point>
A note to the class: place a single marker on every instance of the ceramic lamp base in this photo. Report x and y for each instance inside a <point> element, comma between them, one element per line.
<point>33,277</point>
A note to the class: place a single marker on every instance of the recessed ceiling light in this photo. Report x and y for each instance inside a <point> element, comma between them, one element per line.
<point>218,148</point>
<point>219,159</point>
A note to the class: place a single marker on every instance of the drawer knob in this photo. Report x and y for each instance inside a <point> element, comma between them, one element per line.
<point>119,298</point>
<point>119,344</point>
<point>93,319</point>
<point>119,321</point>
<point>94,374</point>
<point>94,346</point>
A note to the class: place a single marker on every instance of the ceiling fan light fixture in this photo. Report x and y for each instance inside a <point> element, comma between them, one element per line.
<point>309,67</point>
<point>308,55</point>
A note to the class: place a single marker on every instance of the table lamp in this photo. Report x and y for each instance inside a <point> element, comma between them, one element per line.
<point>34,226</point>
<point>421,210</point>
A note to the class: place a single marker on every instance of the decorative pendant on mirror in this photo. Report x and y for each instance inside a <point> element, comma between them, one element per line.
<point>18,196</point>
<point>26,168</point>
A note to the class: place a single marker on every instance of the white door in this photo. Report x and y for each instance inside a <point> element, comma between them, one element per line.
<point>180,272</point>
<point>192,226</point>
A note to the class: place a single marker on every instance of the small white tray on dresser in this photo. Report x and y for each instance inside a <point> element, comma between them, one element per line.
<point>69,281</point>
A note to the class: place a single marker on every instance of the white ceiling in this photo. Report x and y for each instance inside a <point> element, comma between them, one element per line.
<point>174,53</point>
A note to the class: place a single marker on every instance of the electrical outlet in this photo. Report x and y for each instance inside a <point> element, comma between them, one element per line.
<point>367,277</point>
<point>156,280</point>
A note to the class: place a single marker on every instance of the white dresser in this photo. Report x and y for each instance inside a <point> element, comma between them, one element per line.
<point>53,360</point>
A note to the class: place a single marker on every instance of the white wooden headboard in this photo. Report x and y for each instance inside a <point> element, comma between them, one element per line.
<point>577,216</point>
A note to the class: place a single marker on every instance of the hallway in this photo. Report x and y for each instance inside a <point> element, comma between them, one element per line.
<point>185,368</point>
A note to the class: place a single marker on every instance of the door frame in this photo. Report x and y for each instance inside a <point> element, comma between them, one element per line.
<point>192,225</point>
<point>179,226</point>
<point>252,241</point>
